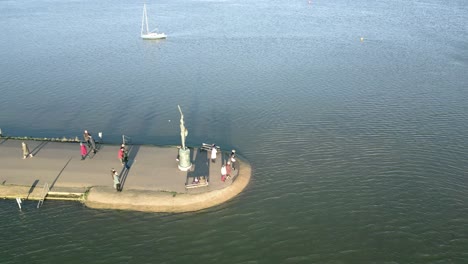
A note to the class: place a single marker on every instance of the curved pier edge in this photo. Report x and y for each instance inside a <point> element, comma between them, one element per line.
<point>167,202</point>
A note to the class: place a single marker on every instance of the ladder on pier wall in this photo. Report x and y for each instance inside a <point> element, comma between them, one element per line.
<point>45,191</point>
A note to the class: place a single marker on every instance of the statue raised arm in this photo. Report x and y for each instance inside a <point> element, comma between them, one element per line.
<point>183,130</point>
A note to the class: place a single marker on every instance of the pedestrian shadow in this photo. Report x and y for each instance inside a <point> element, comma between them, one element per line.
<point>39,147</point>
<point>201,165</point>
<point>87,154</point>
<point>3,140</point>
<point>132,153</point>
<point>224,157</point>
<point>98,146</point>
<point>32,188</point>
<point>235,168</point>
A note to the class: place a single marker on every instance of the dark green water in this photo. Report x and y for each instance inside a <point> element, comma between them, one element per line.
<point>358,148</point>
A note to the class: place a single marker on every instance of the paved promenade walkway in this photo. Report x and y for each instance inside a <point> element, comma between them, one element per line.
<point>152,181</point>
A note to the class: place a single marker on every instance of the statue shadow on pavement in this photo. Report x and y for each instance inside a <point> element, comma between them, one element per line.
<point>60,173</point>
<point>200,165</point>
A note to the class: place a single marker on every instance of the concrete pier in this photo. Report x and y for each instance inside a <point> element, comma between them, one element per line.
<point>150,182</point>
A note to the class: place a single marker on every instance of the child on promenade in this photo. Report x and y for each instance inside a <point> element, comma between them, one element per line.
<point>84,151</point>
<point>116,178</point>
<point>26,152</point>
<point>120,155</point>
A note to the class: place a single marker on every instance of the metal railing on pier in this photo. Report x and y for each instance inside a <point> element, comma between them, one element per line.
<point>45,191</point>
<point>126,140</point>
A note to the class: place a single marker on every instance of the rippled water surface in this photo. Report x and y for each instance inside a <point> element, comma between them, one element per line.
<point>359,148</point>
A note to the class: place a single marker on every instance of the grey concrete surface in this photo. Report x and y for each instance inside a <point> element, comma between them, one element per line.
<point>59,164</point>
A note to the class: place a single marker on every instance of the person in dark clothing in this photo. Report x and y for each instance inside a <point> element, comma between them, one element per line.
<point>86,136</point>
<point>232,158</point>
<point>125,157</point>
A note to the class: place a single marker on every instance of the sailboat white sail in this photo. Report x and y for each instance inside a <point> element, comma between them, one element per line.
<point>145,32</point>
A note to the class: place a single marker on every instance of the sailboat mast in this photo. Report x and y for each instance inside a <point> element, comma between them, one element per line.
<point>145,32</point>
<point>146,17</point>
<point>143,18</point>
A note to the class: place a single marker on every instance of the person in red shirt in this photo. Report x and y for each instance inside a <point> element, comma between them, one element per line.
<point>121,155</point>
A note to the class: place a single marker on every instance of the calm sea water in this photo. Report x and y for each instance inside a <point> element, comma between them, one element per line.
<point>359,149</point>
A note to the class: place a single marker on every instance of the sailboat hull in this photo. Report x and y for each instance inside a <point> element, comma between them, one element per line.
<point>153,36</point>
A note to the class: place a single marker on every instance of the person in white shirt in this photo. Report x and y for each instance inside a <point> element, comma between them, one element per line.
<point>213,153</point>
<point>223,173</point>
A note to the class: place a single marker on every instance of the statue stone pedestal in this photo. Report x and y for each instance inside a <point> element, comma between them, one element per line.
<point>184,159</point>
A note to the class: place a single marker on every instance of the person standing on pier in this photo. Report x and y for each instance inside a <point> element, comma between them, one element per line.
<point>223,173</point>
<point>213,153</point>
<point>125,157</point>
<point>86,137</point>
<point>232,158</point>
<point>84,151</point>
<point>116,178</point>
<point>228,169</point>
<point>121,155</point>
<point>26,152</point>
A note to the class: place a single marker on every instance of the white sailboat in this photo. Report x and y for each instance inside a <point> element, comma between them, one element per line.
<point>145,33</point>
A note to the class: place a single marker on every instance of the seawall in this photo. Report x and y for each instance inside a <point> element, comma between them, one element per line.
<point>151,181</point>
